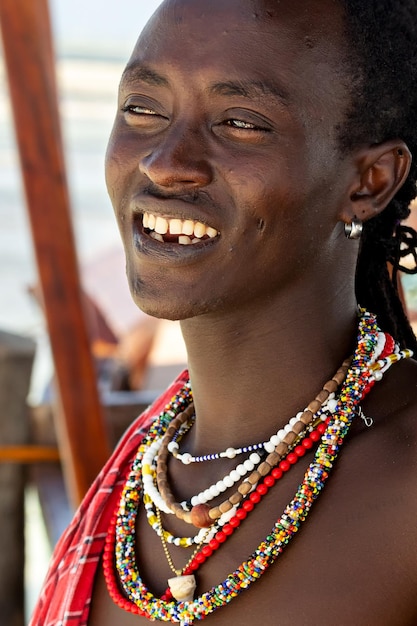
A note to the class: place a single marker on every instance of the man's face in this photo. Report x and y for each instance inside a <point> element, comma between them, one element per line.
<point>226,136</point>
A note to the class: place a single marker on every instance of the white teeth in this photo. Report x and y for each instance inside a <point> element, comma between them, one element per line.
<point>161,225</point>
<point>188,227</point>
<point>184,240</point>
<point>151,221</point>
<point>156,236</point>
<point>199,230</point>
<point>175,227</point>
<point>188,231</point>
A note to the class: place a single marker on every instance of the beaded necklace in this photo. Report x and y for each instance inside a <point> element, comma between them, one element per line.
<point>219,532</point>
<point>230,453</point>
<point>151,496</point>
<point>201,515</point>
<point>361,376</point>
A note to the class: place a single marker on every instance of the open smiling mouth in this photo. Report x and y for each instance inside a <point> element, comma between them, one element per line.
<point>174,230</point>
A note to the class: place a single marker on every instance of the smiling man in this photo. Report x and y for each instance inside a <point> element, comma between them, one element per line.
<point>259,166</point>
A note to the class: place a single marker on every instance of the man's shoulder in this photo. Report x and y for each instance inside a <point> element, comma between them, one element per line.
<point>397,400</point>
<point>390,443</point>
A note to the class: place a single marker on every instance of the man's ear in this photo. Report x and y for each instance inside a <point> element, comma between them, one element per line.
<point>381,171</point>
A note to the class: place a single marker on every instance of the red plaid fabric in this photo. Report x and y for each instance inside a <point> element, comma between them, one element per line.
<point>66,595</point>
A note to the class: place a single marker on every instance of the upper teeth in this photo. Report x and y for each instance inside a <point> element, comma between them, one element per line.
<point>175,226</point>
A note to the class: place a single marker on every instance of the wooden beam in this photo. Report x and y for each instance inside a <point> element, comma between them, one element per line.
<point>29,454</point>
<point>28,52</point>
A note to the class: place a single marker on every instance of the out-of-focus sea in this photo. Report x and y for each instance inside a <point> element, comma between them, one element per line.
<point>88,89</point>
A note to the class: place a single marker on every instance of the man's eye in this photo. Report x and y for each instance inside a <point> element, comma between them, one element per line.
<point>242,125</point>
<point>138,110</point>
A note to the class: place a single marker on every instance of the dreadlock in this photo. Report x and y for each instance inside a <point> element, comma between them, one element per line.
<point>382,52</point>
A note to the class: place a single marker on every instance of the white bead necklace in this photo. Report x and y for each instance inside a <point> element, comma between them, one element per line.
<point>149,479</point>
<point>270,445</point>
<point>238,473</point>
<point>230,453</point>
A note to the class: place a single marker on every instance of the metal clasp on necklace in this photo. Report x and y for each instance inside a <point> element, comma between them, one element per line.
<point>368,420</point>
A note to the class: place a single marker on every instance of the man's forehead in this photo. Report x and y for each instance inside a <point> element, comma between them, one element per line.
<point>313,23</point>
<point>227,48</point>
<point>177,11</point>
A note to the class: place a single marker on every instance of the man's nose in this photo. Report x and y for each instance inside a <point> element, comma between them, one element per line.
<point>179,160</point>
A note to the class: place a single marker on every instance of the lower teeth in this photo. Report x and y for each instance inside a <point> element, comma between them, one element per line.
<point>183,240</point>
<point>156,236</point>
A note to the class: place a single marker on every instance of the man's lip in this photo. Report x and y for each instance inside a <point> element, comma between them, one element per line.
<point>171,251</point>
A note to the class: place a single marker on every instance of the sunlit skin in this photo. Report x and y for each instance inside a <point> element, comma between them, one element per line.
<point>228,115</point>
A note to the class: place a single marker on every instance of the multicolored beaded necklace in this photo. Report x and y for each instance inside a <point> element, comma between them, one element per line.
<point>367,367</point>
<point>300,445</point>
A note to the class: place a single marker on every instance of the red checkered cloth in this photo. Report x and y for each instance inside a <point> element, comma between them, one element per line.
<point>66,595</point>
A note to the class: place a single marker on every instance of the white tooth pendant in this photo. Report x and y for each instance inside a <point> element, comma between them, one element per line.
<point>182,587</point>
<point>161,225</point>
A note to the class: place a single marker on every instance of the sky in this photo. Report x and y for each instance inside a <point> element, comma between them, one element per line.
<point>99,26</point>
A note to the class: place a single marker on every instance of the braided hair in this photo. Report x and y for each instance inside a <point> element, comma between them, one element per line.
<point>381,36</point>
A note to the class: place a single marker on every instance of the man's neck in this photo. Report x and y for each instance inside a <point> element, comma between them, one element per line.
<point>253,370</point>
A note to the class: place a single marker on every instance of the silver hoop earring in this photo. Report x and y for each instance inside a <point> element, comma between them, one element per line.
<point>354,229</point>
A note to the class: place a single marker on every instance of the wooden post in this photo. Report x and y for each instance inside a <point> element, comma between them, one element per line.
<point>29,60</point>
<point>16,359</point>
